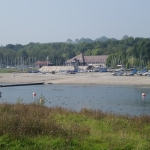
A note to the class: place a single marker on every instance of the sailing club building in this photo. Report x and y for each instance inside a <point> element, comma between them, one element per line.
<point>82,60</point>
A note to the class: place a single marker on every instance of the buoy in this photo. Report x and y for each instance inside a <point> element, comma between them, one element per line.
<point>34,94</point>
<point>143,94</point>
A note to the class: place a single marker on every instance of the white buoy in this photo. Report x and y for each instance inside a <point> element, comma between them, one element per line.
<point>143,94</point>
<point>34,94</point>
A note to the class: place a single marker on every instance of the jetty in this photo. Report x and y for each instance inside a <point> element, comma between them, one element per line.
<point>22,84</point>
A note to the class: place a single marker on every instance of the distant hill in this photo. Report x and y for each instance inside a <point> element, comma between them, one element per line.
<point>88,40</point>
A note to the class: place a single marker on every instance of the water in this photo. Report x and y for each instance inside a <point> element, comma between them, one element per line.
<point>109,98</point>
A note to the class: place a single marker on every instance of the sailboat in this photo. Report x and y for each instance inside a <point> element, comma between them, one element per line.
<point>120,71</point>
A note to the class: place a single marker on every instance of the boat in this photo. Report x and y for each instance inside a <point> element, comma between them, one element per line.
<point>146,73</point>
<point>118,73</point>
<point>70,72</point>
<point>140,72</point>
<point>132,73</point>
<point>82,71</point>
<point>0,94</point>
<point>103,70</point>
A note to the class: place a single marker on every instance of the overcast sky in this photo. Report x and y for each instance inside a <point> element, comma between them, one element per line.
<point>44,21</point>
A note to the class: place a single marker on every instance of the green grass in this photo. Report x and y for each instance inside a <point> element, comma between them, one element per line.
<point>33,126</point>
<point>12,70</point>
<point>8,70</point>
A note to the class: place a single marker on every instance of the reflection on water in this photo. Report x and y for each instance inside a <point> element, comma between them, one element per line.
<point>111,98</point>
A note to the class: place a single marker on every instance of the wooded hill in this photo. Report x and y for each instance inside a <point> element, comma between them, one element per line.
<point>130,51</point>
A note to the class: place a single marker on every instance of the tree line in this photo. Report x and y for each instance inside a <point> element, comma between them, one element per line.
<point>127,51</point>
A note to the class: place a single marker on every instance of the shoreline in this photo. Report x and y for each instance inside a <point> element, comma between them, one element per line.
<point>79,78</point>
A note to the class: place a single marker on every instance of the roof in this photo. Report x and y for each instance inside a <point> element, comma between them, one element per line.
<point>42,63</point>
<point>88,59</point>
<point>99,58</point>
<point>79,57</point>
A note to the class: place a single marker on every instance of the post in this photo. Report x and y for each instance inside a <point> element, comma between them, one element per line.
<point>47,60</point>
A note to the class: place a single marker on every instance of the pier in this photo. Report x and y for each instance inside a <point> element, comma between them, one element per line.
<point>22,84</point>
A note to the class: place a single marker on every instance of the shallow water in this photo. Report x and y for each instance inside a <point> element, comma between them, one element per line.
<point>112,98</point>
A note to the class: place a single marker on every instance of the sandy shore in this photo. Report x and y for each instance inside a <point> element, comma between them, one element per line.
<point>80,78</point>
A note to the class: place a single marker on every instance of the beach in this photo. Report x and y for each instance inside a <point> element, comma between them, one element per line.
<point>78,78</point>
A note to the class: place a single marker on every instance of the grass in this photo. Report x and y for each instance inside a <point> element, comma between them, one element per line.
<point>12,70</point>
<point>34,126</point>
<point>8,70</point>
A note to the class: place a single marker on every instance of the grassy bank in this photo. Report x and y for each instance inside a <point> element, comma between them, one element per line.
<point>32,126</point>
<point>15,70</point>
<point>8,70</point>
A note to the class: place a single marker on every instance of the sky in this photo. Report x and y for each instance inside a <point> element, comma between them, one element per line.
<point>46,21</point>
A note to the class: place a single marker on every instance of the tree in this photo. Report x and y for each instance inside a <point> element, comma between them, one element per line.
<point>69,41</point>
<point>10,46</point>
<point>124,37</point>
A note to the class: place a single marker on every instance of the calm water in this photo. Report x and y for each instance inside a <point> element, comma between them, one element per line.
<point>112,98</point>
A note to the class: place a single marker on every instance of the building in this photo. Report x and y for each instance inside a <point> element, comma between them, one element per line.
<point>40,64</point>
<point>81,60</point>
